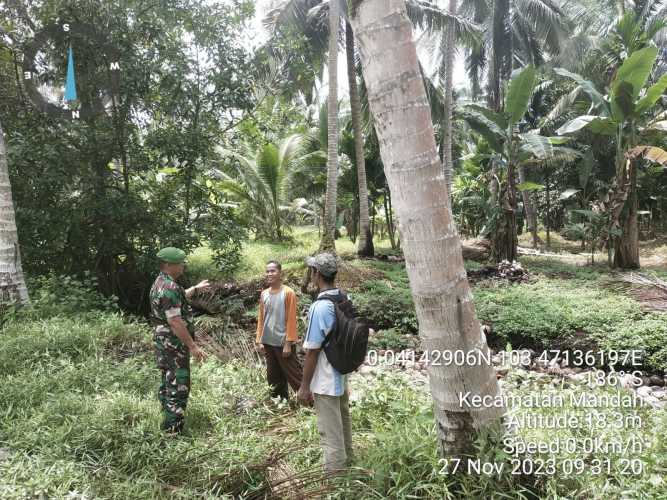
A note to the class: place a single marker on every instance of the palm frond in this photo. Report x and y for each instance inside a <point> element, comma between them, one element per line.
<point>237,189</point>
<point>647,289</point>
<point>269,169</point>
<point>548,20</point>
<point>575,50</point>
<point>557,158</point>
<point>245,169</point>
<point>565,104</point>
<point>286,13</point>
<point>428,16</point>
<point>478,10</point>
<point>527,40</point>
<point>289,148</point>
<point>475,64</point>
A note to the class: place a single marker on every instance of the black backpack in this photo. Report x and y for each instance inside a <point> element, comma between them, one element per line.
<point>346,344</point>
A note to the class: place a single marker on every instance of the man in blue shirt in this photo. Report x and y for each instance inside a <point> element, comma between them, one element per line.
<point>322,384</point>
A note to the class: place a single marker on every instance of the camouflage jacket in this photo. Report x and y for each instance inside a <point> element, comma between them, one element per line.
<point>168,300</point>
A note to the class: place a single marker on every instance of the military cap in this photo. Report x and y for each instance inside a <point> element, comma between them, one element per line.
<point>325,263</point>
<point>171,255</point>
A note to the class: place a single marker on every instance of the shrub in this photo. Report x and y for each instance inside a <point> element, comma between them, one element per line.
<point>386,307</point>
<point>226,244</point>
<point>53,295</point>
<point>548,309</point>
<point>648,334</point>
<point>390,339</point>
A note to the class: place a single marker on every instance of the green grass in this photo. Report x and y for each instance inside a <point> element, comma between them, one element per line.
<point>563,269</point>
<point>566,305</point>
<point>558,243</point>
<point>79,407</point>
<point>81,419</point>
<point>80,415</point>
<point>256,253</point>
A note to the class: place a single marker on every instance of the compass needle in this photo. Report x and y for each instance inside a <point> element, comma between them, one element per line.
<point>70,86</point>
<point>89,85</point>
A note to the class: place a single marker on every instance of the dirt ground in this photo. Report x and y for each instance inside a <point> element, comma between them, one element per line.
<point>652,253</point>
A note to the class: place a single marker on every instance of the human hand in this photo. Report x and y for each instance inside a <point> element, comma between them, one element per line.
<point>287,350</point>
<point>304,396</point>
<point>203,285</point>
<point>199,354</point>
<point>259,347</point>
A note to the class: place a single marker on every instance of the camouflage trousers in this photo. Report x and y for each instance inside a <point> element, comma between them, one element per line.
<point>173,360</point>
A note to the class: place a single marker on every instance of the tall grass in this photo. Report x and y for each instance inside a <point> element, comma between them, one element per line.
<point>80,419</point>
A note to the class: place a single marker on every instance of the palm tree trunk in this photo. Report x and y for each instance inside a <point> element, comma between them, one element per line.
<point>328,237</point>
<point>432,248</point>
<point>12,282</point>
<point>529,208</point>
<point>449,47</point>
<point>501,50</point>
<point>365,248</point>
<point>387,216</point>
<point>547,220</point>
<point>276,219</point>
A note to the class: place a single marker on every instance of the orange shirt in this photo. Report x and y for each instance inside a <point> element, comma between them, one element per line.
<point>289,316</point>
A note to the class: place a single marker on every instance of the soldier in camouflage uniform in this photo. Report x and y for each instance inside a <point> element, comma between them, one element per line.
<point>172,319</point>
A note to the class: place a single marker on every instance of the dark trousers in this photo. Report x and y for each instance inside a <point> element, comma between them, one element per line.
<point>282,371</point>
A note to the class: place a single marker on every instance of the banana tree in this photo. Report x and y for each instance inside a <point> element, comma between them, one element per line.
<point>511,150</point>
<point>625,114</point>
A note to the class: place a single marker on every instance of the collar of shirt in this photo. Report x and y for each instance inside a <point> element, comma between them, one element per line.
<point>166,276</point>
<point>331,291</point>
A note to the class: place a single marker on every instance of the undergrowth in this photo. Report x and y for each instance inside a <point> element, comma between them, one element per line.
<point>80,416</point>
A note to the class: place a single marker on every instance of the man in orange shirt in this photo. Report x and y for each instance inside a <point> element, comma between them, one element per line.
<point>276,332</point>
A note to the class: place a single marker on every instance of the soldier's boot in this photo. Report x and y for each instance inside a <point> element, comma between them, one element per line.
<point>173,427</point>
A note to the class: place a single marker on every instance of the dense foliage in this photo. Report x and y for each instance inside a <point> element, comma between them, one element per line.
<point>124,183</point>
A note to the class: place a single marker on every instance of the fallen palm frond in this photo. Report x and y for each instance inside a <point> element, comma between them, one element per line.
<point>267,478</point>
<point>224,298</point>
<point>284,482</point>
<point>276,477</point>
<point>225,340</point>
<point>647,289</point>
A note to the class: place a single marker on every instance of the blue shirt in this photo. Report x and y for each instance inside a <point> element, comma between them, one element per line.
<point>321,317</point>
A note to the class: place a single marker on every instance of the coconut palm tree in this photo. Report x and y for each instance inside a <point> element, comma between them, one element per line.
<point>328,242</point>
<point>605,30</point>
<point>432,248</point>
<point>446,28</point>
<point>365,248</point>
<point>309,17</point>
<point>448,50</point>
<point>517,33</point>
<point>260,179</point>
<point>12,282</point>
